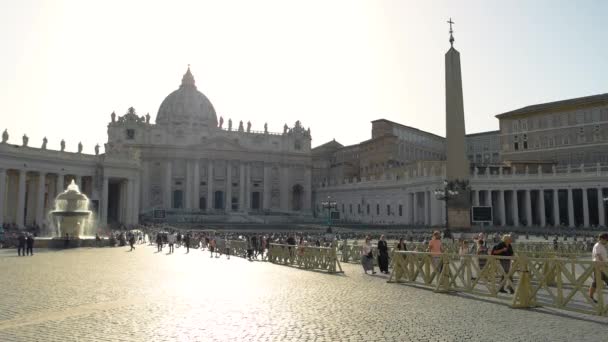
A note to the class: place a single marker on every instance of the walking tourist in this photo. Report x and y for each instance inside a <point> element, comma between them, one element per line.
<point>171,238</point>
<point>159,242</point>
<point>599,255</point>
<point>227,248</point>
<point>211,247</point>
<point>505,249</point>
<point>29,242</point>
<point>132,241</point>
<point>187,239</point>
<point>383,255</point>
<point>21,245</point>
<point>436,248</point>
<point>367,257</point>
<point>401,245</point>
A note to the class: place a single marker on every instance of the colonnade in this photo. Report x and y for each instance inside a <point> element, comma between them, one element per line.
<point>25,191</point>
<point>545,207</point>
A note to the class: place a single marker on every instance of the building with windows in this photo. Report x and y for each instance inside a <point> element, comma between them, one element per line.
<point>189,164</point>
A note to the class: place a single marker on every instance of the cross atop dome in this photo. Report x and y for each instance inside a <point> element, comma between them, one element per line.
<point>188,79</point>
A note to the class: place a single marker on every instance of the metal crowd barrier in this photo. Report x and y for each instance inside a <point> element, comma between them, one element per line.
<point>306,257</point>
<point>551,282</point>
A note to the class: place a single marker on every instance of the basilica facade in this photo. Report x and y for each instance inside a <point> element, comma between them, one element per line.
<point>188,166</point>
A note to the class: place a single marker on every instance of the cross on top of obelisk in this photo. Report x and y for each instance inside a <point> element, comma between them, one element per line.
<point>451,31</point>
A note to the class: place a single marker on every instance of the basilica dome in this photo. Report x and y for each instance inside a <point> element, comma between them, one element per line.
<point>187,106</point>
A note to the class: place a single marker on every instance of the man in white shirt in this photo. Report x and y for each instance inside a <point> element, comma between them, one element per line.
<point>599,255</point>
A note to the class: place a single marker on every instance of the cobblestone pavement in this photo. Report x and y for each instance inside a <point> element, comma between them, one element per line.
<point>110,294</point>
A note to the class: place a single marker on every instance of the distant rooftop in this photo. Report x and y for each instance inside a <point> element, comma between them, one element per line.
<point>563,104</point>
<point>408,127</point>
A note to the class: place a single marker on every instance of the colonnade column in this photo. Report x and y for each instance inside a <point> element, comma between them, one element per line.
<point>515,208</point>
<point>103,208</point>
<point>135,199</point>
<point>600,206</point>
<point>414,208</point>
<point>40,198</point>
<point>78,181</point>
<point>59,185</point>
<point>570,209</point>
<point>489,198</point>
<point>129,202</point>
<point>556,218</point>
<point>196,184</point>
<point>209,185</point>
<point>501,205</point>
<point>585,208</point>
<point>2,194</point>
<point>20,219</point>
<point>145,185</point>
<point>476,198</point>
<point>228,199</point>
<point>266,199</point>
<point>242,187</point>
<point>528,202</point>
<point>168,184</point>
<point>541,207</point>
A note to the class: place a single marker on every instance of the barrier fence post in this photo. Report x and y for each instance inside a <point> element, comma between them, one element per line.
<point>443,282</point>
<point>523,293</point>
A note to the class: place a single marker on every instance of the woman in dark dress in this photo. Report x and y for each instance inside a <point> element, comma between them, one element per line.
<point>382,255</point>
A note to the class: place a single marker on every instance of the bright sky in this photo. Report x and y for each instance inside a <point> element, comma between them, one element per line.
<point>334,65</point>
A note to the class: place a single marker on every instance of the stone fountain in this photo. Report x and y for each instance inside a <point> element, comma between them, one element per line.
<point>71,216</point>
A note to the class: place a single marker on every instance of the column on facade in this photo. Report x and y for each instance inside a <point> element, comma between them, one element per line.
<point>103,207</point>
<point>2,194</point>
<point>267,185</point>
<point>515,208</point>
<point>308,190</point>
<point>188,185</point>
<point>585,208</point>
<point>196,184</point>
<point>78,181</point>
<point>541,207</point>
<point>285,188</point>
<point>501,206</point>
<point>168,185</point>
<point>476,198</point>
<point>40,198</point>
<point>209,185</point>
<point>570,209</point>
<point>528,202</point>
<point>19,216</point>
<point>600,207</point>
<point>242,187</point>
<point>489,198</point>
<point>228,199</point>
<point>248,186</point>
<point>556,218</point>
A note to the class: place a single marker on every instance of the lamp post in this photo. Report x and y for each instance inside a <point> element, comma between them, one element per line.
<point>329,205</point>
<point>446,194</point>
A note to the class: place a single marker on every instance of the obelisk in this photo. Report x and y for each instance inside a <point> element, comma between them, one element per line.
<point>457,168</point>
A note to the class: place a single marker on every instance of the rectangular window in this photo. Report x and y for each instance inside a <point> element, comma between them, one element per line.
<point>377,209</point>
<point>400,210</point>
<point>130,134</point>
<point>350,208</point>
<point>388,209</point>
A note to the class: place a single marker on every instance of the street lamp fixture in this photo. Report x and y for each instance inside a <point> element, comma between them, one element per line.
<point>329,205</point>
<point>446,194</point>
